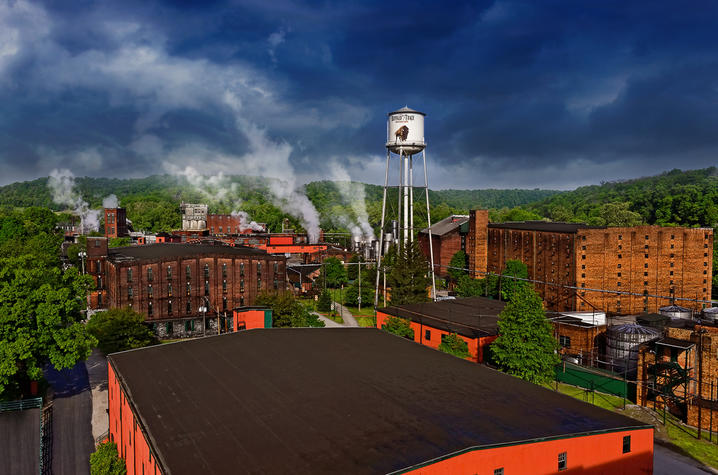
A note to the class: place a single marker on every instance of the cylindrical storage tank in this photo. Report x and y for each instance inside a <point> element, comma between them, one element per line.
<point>356,243</point>
<point>710,314</point>
<point>405,131</point>
<point>622,342</point>
<point>676,312</point>
<point>395,228</point>
<point>653,320</point>
<point>388,240</point>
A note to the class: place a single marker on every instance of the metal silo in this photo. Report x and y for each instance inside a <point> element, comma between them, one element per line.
<point>710,314</point>
<point>653,320</point>
<point>622,342</point>
<point>676,312</point>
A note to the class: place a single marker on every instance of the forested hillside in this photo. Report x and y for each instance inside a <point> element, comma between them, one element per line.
<point>152,202</point>
<point>685,198</point>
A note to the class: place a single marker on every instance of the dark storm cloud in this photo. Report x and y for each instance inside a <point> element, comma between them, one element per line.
<point>552,94</point>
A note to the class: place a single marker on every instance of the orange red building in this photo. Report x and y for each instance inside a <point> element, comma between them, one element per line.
<point>266,401</point>
<point>473,319</point>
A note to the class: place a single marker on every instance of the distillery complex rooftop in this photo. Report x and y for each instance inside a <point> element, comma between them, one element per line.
<point>470,316</point>
<point>349,400</point>
<point>180,250</point>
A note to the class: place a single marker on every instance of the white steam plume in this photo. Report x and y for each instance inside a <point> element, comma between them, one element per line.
<point>246,223</point>
<point>110,202</point>
<point>354,194</point>
<point>62,185</point>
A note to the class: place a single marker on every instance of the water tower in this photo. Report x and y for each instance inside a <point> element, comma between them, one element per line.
<point>404,139</point>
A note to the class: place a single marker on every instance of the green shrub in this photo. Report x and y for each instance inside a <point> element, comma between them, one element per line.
<point>106,461</point>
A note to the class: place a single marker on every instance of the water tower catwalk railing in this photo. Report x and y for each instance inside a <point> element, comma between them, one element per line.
<point>405,138</point>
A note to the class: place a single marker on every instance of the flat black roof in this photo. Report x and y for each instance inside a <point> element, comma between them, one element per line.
<point>472,316</point>
<point>446,225</point>
<point>173,250</point>
<point>337,400</point>
<point>545,226</point>
<point>20,441</point>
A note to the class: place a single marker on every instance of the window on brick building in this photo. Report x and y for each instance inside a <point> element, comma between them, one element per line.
<point>670,283</point>
<point>672,246</point>
<point>188,289</point>
<point>224,271</point>
<point>583,276</point>
<point>188,307</point>
<point>188,272</point>
<point>564,341</point>
<point>130,293</point>
<point>150,276</point>
<point>619,274</point>
<point>645,274</point>
<point>149,309</point>
<point>241,301</point>
<point>618,284</point>
<point>99,298</point>
<point>620,237</point>
<point>149,291</point>
<point>618,266</point>
<point>169,272</point>
<point>671,264</point>
<point>620,256</point>
<point>562,461</point>
<point>645,282</point>
<point>169,307</point>
<point>224,303</point>
<point>583,266</point>
<point>259,283</point>
<point>206,287</point>
<point>499,471</point>
<point>241,285</point>
<point>224,286</point>
<point>645,266</point>
<point>276,267</point>
<point>129,276</point>
<point>259,268</point>
<point>189,325</point>
<point>206,271</point>
<point>241,268</point>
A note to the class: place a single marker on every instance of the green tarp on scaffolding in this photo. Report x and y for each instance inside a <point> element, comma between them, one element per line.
<point>594,379</point>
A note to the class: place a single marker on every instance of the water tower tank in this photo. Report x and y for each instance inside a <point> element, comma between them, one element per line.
<point>405,131</point>
<point>622,343</point>
<point>676,312</point>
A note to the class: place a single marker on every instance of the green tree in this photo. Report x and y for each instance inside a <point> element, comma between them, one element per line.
<point>458,263</point>
<point>118,242</point>
<point>353,268</point>
<point>120,329</point>
<point>351,297</point>
<point>324,303</point>
<point>509,286</point>
<point>105,460</point>
<point>525,346</point>
<point>618,214</point>
<point>453,344</point>
<point>333,272</point>
<point>40,304</point>
<point>287,311</point>
<point>470,287</point>
<point>408,277</point>
<point>398,326</point>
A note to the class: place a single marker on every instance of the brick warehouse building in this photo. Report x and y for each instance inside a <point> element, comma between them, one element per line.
<point>473,319</point>
<point>170,282</point>
<point>448,237</point>
<point>266,401</point>
<point>116,222</point>
<point>646,260</point>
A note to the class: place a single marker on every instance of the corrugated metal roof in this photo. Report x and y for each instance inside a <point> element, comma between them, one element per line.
<point>545,226</point>
<point>446,225</point>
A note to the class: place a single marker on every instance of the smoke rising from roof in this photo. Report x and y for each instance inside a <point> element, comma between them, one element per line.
<point>62,185</point>
<point>110,202</point>
<point>355,195</point>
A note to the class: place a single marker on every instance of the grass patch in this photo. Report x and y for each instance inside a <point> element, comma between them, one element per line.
<point>367,311</point>
<point>365,321</point>
<point>335,318</point>
<point>606,401</point>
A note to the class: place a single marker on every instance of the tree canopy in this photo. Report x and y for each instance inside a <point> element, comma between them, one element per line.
<point>453,344</point>
<point>408,275</point>
<point>334,272</point>
<point>398,326</point>
<point>287,311</point>
<point>40,303</point>
<point>105,460</point>
<point>525,346</point>
<point>120,329</point>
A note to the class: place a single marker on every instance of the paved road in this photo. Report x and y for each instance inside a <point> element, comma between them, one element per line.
<point>667,462</point>
<point>328,322</point>
<point>96,366</point>
<point>72,440</point>
<point>349,320</point>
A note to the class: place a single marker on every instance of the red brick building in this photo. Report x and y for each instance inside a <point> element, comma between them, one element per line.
<point>448,237</point>
<point>642,260</point>
<point>580,335</point>
<point>169,283</point>
<point>116,223</point>
<point>473,319</point>
<point>266,401</point>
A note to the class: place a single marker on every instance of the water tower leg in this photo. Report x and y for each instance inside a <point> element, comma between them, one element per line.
<point>428,220</point>
<point>381,232</point>
<point>399,194</point>
<point>406,199</point>
<point>411,198</point>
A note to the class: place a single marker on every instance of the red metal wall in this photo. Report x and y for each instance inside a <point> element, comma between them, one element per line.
<point>478,347</point>
<point>593,454</point>
<point>126,433</point>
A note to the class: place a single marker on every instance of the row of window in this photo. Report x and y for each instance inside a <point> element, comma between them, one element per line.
<point>188,271</point>
<point>188,307</point>
<point>188,288</point>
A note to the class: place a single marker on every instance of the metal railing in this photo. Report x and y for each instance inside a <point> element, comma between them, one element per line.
<point>21,404</point>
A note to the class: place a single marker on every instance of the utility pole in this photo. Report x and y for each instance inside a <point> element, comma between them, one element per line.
<point>359,298</point>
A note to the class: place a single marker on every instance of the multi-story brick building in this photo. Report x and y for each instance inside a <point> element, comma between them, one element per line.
<point>169,283</point>
<point>115,222</point>
<point>448,237</point>
<point>573,261</point>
